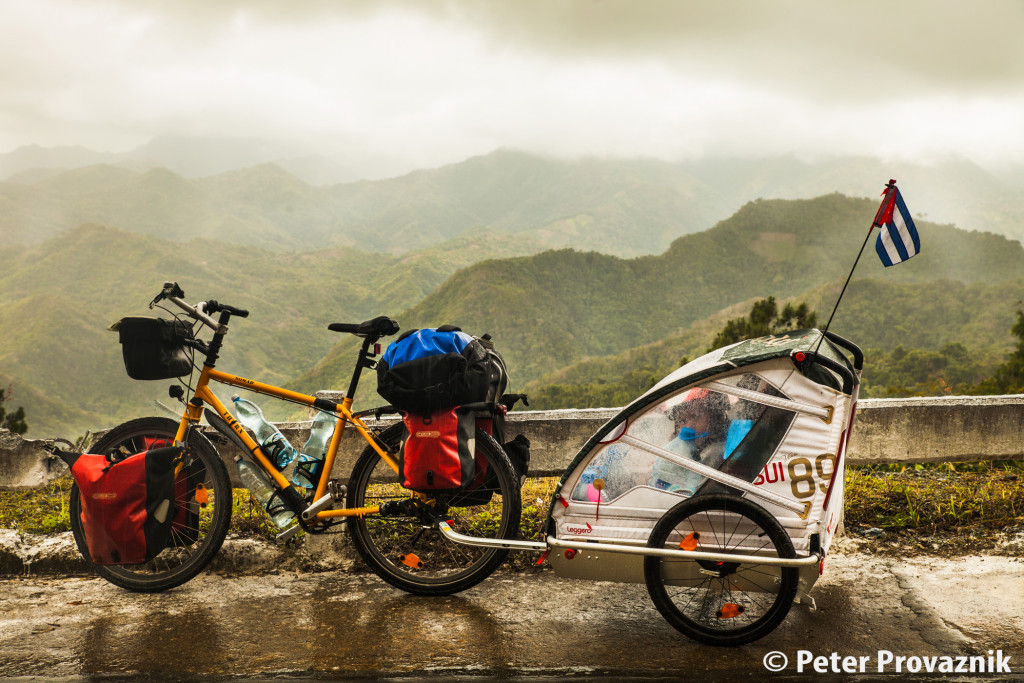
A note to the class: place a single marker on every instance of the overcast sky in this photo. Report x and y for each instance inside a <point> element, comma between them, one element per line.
<point>429,82</point>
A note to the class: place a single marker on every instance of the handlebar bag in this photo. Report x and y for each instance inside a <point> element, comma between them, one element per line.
<point>432,370</point>
<point>128,505</point>
<point>438,451</point>
<point>153,348</point>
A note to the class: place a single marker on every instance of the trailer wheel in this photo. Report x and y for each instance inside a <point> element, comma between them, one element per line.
<point>721,602</point>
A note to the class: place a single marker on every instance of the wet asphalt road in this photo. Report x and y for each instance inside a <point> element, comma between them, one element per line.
<point>514,625</point>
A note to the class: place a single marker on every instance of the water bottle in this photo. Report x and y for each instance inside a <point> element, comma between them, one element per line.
<point>277,448</point>
<point>311,458</point>
<point>256,481</point>
<point>669,476</point>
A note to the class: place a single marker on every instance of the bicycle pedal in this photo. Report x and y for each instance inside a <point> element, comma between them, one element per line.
<point>288,534</point>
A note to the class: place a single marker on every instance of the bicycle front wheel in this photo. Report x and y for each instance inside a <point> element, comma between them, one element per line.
<point>721,603</point>
<point>203,499</point>
<point>405,548</point>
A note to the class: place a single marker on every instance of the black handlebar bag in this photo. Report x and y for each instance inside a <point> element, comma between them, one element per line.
<point>128,506</point>
<point>154,348</point>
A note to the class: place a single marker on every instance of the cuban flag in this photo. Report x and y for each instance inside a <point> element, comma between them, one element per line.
<point>897,239</point>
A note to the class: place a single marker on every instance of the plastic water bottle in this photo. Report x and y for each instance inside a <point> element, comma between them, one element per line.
<point>311,458</point>
<point>669,476</point>
<point>256,481</point>
<point>275,446</point>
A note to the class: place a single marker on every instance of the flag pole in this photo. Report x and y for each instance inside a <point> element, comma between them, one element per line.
<point>890,189</point>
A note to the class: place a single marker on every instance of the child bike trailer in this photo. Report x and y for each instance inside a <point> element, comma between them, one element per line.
<point>721,488</point>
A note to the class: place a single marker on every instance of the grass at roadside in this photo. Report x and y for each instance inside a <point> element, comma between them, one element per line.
<point>938,504</point>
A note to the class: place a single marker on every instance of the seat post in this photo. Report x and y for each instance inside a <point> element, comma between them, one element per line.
<point>364,361</point>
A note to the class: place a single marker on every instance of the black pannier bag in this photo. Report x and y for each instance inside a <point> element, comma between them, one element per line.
<point>432,370</point>
<point>187,483</point>
<point>154,348</point>
<point>127,506</point>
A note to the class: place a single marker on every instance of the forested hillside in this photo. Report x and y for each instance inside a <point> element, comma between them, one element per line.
<point>925,338</point>
<point>551,310</point>
<point>547,311</point>
<point>60,297</point>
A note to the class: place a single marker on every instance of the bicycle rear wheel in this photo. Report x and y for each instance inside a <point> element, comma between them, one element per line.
<point>204,523</point>
<point>405,548</point>
<point>721,603</point>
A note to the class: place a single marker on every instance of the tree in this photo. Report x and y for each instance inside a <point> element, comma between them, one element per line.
<point>1009,378</point>
<point>13,421</point>
<point>765,319</point>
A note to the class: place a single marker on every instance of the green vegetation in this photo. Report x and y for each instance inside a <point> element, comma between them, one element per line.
<point>961,506</point>
<point>60,297</point>
<point>1009,377</point>
<point>14,421</point>
<point>765,319</point>
<point>909,356</point>
<point>957,506</point>
<point>577,329</point>
<point>551,310</point>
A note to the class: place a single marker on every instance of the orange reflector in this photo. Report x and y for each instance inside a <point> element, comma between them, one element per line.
<point>729,610</point>
<point>690,542</point>
<point>202,495</point>
<point>411,560</point>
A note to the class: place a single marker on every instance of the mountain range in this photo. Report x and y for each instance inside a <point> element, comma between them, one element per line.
<point>572,266</point>
<point>550,310</point>
<point>614,206</point>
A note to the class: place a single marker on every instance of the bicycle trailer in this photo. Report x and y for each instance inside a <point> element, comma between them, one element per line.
<point>744,447</point>
<point>721,487</point>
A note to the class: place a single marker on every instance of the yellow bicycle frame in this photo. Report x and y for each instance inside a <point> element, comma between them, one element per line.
<point>193,413</point>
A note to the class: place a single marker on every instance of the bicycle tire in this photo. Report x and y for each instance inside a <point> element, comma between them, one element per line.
<point>191,547</point>
<point>721,603</point>
<point>446,567</point>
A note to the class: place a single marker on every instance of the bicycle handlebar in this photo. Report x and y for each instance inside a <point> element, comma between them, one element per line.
<point>173,293</point>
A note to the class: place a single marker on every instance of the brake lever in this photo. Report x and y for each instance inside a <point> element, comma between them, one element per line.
<point>171,289</point>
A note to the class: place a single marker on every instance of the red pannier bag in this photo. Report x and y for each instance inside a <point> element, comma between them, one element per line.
<point>128,506</point>
<point>438,451</point>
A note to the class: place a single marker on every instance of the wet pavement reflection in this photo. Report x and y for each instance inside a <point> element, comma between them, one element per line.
<point>514,625</point>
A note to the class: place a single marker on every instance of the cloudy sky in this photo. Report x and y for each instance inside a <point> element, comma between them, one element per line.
<point>423,82</point>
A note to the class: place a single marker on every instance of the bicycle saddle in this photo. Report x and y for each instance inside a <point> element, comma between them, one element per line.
<point>381,326</point>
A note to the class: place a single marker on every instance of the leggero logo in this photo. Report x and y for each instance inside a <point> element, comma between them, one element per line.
<point>579,529</point>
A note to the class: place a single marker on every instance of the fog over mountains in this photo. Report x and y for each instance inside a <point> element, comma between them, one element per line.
<point>252,192</point>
